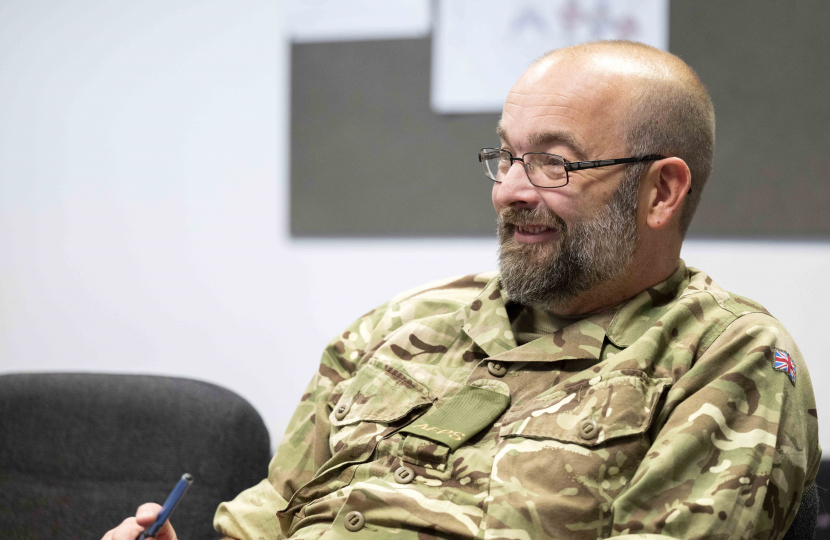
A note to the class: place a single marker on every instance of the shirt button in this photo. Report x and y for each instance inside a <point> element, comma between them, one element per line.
<point>404,475</point>
<point>341,411</point>
<point>496,369</point>
<point>354,521</point>
<point>588,430</point>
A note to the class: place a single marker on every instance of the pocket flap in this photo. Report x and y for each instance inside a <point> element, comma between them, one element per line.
<point>379,392</point>
<point>614,405</point>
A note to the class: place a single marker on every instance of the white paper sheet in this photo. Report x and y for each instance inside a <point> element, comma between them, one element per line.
<point>351,20</point>
<point>481,47</point>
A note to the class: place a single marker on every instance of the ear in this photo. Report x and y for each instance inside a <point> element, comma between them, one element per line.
<point>666,184</point>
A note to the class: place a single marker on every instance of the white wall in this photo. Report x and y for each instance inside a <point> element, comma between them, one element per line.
<point>143,225</point>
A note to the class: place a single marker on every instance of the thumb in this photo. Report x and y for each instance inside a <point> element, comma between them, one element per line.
<point>147,514</point>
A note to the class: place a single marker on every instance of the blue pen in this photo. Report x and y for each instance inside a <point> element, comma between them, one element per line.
<point>168,507</point>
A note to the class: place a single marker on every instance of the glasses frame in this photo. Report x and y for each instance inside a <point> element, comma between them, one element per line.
<point>569,165</point>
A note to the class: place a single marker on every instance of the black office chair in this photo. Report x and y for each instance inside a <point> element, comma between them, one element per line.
<point>79,452</point>
<point>803,526</point>
<point>823,484</point>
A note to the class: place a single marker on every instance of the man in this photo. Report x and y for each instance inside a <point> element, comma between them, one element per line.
<point>595,387</point>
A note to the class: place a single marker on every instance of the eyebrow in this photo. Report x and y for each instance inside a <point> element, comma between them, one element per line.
<point>550,138</point>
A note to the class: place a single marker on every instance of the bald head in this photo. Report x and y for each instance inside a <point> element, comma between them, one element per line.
<point>626,58</point>
<point>656,102</point>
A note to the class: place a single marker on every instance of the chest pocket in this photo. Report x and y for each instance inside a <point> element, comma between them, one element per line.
<point>368,407</point>
<point>376,402</point>
<point>576,450</point>
<point>591,413</point>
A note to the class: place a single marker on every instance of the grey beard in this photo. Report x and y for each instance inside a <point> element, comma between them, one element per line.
<point>586,254</point>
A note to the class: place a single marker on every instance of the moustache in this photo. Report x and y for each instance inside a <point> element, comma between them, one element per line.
<point>519,217</point>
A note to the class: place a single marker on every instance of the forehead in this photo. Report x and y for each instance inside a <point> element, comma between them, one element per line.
<point>548,139</point>
<point>566,105</point>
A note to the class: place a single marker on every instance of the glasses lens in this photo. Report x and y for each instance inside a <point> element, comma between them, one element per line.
<point>492,159</point>
<point>545,170</point>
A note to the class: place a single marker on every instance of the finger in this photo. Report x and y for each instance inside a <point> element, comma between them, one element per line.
<point>166,532</point>
<point>128,530</point>
<point>147,514</point>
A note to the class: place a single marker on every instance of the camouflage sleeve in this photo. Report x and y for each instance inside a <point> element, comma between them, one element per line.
<point>733,448</point>
<point>305,445</point>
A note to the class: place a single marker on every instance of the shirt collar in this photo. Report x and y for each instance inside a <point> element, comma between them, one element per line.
<point>580,340</point>
<point>638,314</point>
<point>485,321</point>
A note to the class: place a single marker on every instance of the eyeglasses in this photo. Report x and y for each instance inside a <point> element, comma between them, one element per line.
<point>544,170</point>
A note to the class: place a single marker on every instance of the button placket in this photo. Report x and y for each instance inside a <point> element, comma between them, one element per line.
<point>496,369</point>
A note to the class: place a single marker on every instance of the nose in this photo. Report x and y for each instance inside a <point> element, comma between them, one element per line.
<point>515,189</point>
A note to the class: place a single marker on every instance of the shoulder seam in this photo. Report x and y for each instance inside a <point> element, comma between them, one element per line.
<point>754,306</point>
<point>701,351</point>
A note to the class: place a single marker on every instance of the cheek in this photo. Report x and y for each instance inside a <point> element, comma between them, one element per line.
<point>564,204</point>
<point>583,197</point>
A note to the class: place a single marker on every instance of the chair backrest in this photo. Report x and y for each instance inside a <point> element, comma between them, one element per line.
<point>80,451</point>
<point>803,526</point>
<point>823,485</point>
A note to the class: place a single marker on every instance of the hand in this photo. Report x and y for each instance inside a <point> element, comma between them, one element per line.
<point>131,527</point>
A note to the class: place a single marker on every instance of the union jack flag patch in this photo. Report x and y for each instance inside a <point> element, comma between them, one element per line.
<point>783,362</point>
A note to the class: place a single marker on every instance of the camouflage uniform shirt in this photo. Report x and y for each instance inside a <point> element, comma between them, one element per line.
<point>685,412</point>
